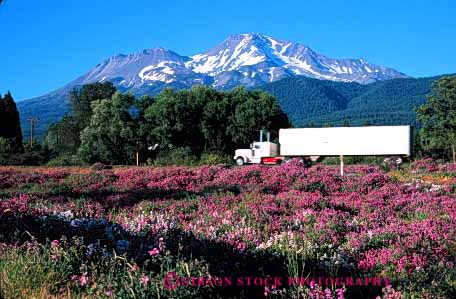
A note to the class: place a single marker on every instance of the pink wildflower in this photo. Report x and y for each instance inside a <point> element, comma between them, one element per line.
<point>144,280</point>
<point>340,293</point>
<point>266,291</point>
<point>83,280</point>
<point>328,294</point>
<point>154,252</point>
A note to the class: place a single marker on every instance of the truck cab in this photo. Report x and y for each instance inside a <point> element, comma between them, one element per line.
<point>256,153</point>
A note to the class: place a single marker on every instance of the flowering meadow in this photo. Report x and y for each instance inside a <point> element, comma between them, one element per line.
<point>184,232</point>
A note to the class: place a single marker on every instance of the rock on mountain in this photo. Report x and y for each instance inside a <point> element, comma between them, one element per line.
<point>250,59</point>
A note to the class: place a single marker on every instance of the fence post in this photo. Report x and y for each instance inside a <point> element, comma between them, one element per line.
<point>341,157</point>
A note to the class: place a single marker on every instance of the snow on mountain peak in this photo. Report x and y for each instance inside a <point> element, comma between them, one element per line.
<point>249,59</point>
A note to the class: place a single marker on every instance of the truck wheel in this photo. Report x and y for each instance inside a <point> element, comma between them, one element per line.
<point>239,161</point>
<point>394,161</point>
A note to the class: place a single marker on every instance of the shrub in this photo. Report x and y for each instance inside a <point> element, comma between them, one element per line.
<point>425,165</point>
<point>214,159</point>
<point>65,160</point>
<point>176,156</point>
<point>100,166</point>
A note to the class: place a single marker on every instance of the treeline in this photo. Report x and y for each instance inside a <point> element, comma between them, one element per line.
<point>205,125</point>
<point>109,127</point>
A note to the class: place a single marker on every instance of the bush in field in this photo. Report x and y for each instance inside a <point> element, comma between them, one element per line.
<point>214,159</point>
<point>424,165</point>
<point>100,166</point>
<point>65,159</point>
<point>176,156</point>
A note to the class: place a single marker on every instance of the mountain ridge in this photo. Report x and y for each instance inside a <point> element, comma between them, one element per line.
<point>248,59</point>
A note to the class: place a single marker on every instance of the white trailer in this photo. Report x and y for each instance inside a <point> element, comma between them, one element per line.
<point>347,141</point>
<point>333,141</point>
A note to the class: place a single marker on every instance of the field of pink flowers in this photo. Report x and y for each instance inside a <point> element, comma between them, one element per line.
<point>184,232</point>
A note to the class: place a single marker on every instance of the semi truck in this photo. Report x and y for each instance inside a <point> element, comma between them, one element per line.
<point>312,143</point>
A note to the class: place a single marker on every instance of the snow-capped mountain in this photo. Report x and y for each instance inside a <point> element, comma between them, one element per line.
<point>248,59</point>
<point>256,58</point>
<point>151,67</point>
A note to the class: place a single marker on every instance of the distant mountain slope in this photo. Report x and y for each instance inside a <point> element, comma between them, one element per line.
<point>317,102</point>
<point>304,98</point>
<point>49,109</point>
<point>250,59</point>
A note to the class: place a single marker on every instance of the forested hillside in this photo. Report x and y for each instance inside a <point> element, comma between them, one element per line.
<point>312,102</point>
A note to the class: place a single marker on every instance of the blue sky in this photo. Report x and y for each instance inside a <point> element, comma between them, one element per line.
<point>47,43</point>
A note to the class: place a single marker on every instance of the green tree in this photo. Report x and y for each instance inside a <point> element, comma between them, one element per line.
<point>10,127</point>
<point>110,136</point>
<point>215,114</point>
<point>143,134</point>
<point>175,118</point>
<point>64,136</point>
<point>250,112</point>
<point>81,100</point>
<point>205,120</point>
<point>438,119</point>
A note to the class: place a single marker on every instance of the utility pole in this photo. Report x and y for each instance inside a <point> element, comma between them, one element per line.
<point>137,153</point>
<point>33,121</point>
